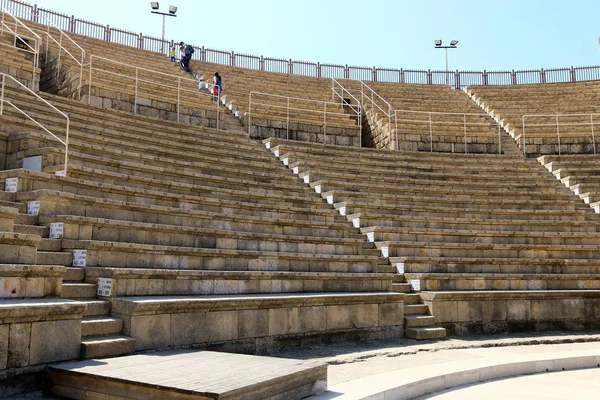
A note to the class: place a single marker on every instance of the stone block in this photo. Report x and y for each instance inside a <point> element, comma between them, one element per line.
<point>18,345</point>
<point>338,317</point>
<point>188,328</point>
<point>151,331</point>
<point>283,321</point>
<point>312,319</point>
<point>222,325</point>
<point>364,315</point>
<point>391,314</point>
<point>4,342</point>
<point>43,350</point>
<point>253,323</point>
<point>518,310</point>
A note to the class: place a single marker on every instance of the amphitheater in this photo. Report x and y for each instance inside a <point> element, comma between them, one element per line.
<point>151,236</point>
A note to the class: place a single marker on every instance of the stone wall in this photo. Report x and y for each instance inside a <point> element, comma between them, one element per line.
<point>264,128</point>
<point>26,326</point>
<point>3,147</point>
<point>466,313</point>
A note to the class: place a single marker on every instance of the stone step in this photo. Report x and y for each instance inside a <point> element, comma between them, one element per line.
<point>54,258</point>
<point>412,298</point>
<point>106,346</point>
<point>100,325</point>
<point>32,230</point>
<point>424,333</point>
<point>413,309</point>
<point>95,307</point>
<point>24,219</point>
<point>418,320</point>
<point>401,287</point>
<point>49,245</point>
<point>78,290</point>
<point>74,274</point>
<point>18,206</point>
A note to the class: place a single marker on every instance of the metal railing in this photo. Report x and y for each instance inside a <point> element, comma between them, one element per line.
<point>279,102</point>
<point>339,92</point>
<point>22,39</point>
<point>370,97</point>
<point>431,124</point>
<point>4,100</point>
<point>582,122</point>
<point>458,79</point>
<point>136,76</point>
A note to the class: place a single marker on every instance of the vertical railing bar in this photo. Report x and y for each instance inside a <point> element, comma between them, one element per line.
<point>558,133</point>
<point>593,136</point>
<point>430,134</point>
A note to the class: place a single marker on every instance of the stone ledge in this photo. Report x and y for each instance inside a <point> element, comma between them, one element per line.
<point>30,310</point>
<point>30,271</point>
<point>512,294</point>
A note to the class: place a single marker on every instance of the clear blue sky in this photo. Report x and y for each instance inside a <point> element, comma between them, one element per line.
<point>493,34</point>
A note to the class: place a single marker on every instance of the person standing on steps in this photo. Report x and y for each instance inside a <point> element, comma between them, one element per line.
<point>172,53</point>
<point>185,61</point>
<point>218,86</point>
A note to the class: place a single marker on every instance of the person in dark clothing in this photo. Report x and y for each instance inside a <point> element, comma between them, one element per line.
<point>185,60</point>
<point>218,86</point>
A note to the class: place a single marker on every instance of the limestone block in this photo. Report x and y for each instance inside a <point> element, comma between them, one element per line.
<point>253,323</point>
<point>283,321</point>
<point>43,350</point>
<point>518,310</point>
<point>12,287</point>
<point>569,309</point>
<point>445,311</point>
<point>494,310</point>
<point>34,287</point>
<point>151,331</point>
<point>188,328</point>
<point>222,325</point>
<point>364,315</point>
<point>469,311</point>
<point>338,317</point>
<point>4,342</point>
<point>391,314</point>
<point>18,345</point>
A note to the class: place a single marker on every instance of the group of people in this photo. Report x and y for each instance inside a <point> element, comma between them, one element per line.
<point>185,52</point>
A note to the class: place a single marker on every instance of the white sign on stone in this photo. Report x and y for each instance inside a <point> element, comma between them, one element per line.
<point>268,145</point>
<point>105,287</point>
<point>356,222</point>
<point>286,161</point>
<point>371,236</point>
<point>415,284</point>
<point>60,173</point>
<point>33,207</point>
<point>306,178</point>
<point>10,185</point>
<point>276,152</point>
<point>296,170</point>
<point>318,188</point>
<point>385,251</point>
<point>342,210</point>
<point>57,230</point>
<point>400,267</point>
<point>330,199</point>
<point>79,258</point>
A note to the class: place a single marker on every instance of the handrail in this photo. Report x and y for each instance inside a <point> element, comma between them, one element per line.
<point>35,50</point>
<point>430,122</point>
<point>4,100</point>
<point>374,104</point>
<point>288,108</point>
<point>558,124</point>
<point>137,80</point>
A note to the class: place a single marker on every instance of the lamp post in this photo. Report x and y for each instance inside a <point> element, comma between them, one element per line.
<point>438,45</point>
<point>171,13</point>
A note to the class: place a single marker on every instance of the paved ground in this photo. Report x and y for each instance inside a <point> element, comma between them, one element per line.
<point>351,361</point>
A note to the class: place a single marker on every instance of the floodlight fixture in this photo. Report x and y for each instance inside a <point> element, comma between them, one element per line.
<point>171,13</point>
<point>454,43</point>
<point>172,10</point>
<point>438,45</point>
<point>438,42</point>
<point>154,5</point>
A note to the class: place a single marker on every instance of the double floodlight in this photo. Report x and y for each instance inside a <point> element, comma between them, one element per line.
<point>155,6</point>
<point>453,43</point>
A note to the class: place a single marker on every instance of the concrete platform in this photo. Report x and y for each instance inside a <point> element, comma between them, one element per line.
<point>184,374</point>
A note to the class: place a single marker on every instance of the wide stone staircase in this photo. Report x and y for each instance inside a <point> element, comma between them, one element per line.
<point>196,236</point>
<point>466,231</point>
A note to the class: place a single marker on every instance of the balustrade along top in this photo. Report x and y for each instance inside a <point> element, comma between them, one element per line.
<point>457,79</point>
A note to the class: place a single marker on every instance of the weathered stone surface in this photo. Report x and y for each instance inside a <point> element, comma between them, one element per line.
<point>66,347</point>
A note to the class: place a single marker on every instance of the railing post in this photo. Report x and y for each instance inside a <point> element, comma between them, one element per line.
<point>261,63</point>
<point>318,69</point>
<point>72,24</point>
<point>558,133</point>
<point>430,134</point>
<point>232,59</point>
<point>290,67</point>
<point>465,130</point>
<point>141,41</point>
<point>513,77</point>
<point>374,74</point>
<point>346,72</point>
<point>457,81</point>
<point>2,96</point>
<point>572,73</point>
<point>34,16</point>
<point>542,76</point>
<point>593,136</point>
<point>178,95</point>
<point>107,33</point>
<point>485,77</point>
<point>401,75</point>
<point>203,54</point>
<point>429,77</point>
<point>136,91</point>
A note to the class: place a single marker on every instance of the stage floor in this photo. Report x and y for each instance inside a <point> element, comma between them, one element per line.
<point>184,374</point>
